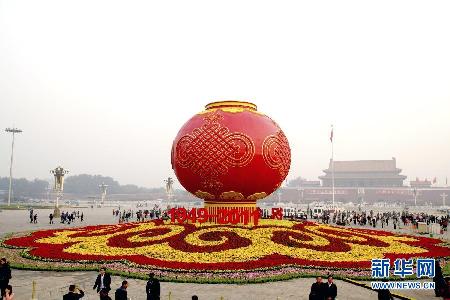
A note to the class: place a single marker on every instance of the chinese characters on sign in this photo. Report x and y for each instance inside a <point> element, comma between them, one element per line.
<point>223,216</point>
<point>403,267</point>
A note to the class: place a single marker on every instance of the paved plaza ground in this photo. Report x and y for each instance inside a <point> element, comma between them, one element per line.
<point>18,220</point>
<point>51,285</point>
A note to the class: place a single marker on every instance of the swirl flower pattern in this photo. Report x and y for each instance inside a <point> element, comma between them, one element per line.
<point>218,247</point>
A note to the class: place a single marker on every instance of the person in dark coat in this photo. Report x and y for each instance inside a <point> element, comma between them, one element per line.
<point>72,294</point>
<point>104,295</point>
<point>5,275</point>
<point>317,290</point>
<point>385,294</point>
<point>439,281</point>
<point>330,289</point>
<point>121,293</point>
<point>103,281</point>
<point>446,290</point>
<point>153,288</point>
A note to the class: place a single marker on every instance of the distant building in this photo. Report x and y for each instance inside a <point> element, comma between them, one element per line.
<point>302,182</point>
<point>420,183</point>
<point>388,195</point>
<point>363,173</point>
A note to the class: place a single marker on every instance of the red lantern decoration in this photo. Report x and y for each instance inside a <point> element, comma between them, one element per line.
<point>231,155</point>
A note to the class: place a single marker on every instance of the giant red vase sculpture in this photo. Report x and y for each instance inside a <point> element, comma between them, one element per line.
<point>231,155</point>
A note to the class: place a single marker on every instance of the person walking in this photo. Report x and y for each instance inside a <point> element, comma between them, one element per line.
<point>330,289</point>
<point>9,295</point>
<point>121,293</point>
<point>5,275</point>
<point>153,288</point>
<point>74,293</point>
<point>51,218</point>
<point>103,281</point>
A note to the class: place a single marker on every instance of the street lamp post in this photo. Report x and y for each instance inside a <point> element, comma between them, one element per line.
<point>360,199</point>
<point>444,196</point>
<point>169,189</point>
<point>103,188</point>
<point>49,189</point>
<point>415,192</point>
<point>59,173</point>
<point>300,190</point>
<point>13,131</point>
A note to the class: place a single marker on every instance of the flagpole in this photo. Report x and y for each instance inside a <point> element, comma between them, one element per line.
<point>332,163</point>
<point>415,197</point>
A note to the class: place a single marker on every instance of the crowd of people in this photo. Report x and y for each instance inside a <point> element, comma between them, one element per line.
<point>33,216</point>
<point>66,217</point>
<point>383,219</point>
<point>319,290</point>
<point>346,218</point>
<point>102,285</point>
<point>69,217</point>
<point>140,215</point>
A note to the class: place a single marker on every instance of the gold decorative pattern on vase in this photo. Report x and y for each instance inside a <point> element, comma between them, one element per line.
<point>257,196</point>
<point>232,195</point>
<point>211,149</point>
<point>204,195</point>
<point>211,184</point>
<point>276,152</point>
<point>231,106</point>
<point>231,110</point>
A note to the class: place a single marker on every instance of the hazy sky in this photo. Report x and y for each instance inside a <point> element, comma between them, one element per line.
<point>102,87</point>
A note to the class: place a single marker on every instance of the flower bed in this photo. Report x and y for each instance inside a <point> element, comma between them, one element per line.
<point>273,250</point>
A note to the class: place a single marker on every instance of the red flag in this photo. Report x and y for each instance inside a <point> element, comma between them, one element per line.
<point>331,134</point>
